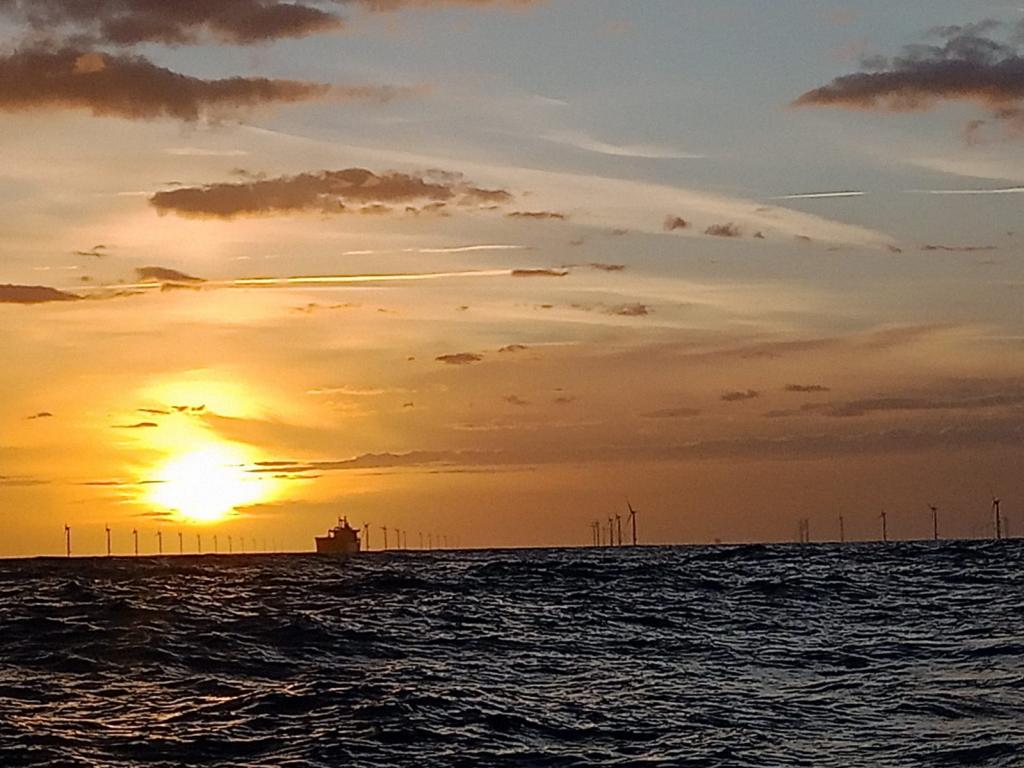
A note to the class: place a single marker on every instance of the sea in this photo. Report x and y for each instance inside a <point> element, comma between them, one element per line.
<point>900,654</point>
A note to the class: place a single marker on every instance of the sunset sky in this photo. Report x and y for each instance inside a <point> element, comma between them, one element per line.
<point>486,268</point>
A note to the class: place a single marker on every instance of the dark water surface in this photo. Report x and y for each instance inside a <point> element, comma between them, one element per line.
<point>868,655</point>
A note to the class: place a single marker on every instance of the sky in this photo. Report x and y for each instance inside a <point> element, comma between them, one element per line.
<point>487,269</point>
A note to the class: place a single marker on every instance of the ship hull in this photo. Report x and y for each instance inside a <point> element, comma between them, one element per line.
<point>331,546</point>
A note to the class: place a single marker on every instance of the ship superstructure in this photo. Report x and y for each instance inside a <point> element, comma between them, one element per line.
<point>342,539</point>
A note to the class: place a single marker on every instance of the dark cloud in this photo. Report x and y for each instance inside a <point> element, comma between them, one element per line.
<point>33,294</point>
<point>1013,398</point>
<point>172,22</point>
<point>672,413</point>
<point>460,358</point>
<point>970,434</point>
<point>539,273</point>
<point>514,348</point>
<point>740,395</point>
<point>672,223</point>
<point>96,252</point>
<point>968,63</point>
<point>165,275</point>
<point>133,87</point>
<point>629,310</point>
<point>959,248</point>
<point>138,425</point>
<point>40,415</point>
<point>537,215</point>
<point>807,388</point>
<point>723,230</point>
<point>320,191</point>
<point>515,400</point>
<point>607,267</point>
<point>21,481</point>
<point>187,22</point>
<point>622,310</point>
<point>155,411</point>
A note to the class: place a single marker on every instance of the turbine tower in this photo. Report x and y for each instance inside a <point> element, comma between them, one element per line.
<point>842,530</point>
<point>885,526</point>
<point>106,528</point>
<point>999,521</point>
<point>135,537</point>
<point>632,519</point>
<point>160,542</point>
<point>618,525</point>
<point>181,544</point>
<point>935,521</point>
<point>67,538</point>
<point>385,529</point>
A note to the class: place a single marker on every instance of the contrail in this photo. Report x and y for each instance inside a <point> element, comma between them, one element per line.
<point>996,191</point>
<point>818,195</point>
<point>453,249</point>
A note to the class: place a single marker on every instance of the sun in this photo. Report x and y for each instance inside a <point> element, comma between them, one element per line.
<point>206,484</point>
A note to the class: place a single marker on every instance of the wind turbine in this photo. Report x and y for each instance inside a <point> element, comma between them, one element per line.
<point>842,530</point>
<point>135,536</point>
<point>106,528</point>
<point>385,529</point>
<point>632,519</point>
<point>160,542</point>
<point>611,532</point>
<point>935,521</point>
<point>67,538</point>
<point>181,544</point>
<point>885,526</point>
<point>618,525</point>
<point>999,522</point>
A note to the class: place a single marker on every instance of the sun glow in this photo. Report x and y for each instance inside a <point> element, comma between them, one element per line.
<point>205,485</point>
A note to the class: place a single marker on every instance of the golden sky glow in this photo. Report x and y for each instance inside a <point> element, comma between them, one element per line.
<point>444,272</point>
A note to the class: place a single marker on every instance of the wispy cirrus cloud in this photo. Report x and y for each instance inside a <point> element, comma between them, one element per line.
<point>642,151</point>
<point>322,192</point>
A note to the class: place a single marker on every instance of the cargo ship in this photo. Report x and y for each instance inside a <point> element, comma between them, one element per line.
<point>342,539</point>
